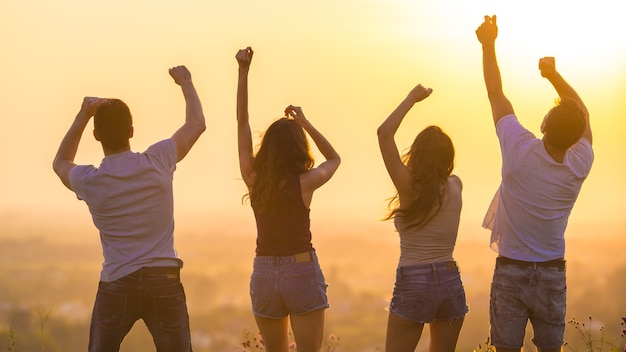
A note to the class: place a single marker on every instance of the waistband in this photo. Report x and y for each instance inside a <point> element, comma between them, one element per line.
<point>304,257</point>
<point>157,270</point>
<point>430,267</point>
<point>555,263</point>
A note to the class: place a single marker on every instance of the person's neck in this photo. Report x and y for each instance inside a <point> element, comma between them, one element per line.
<point>108,152</point>
<point>556,154</point>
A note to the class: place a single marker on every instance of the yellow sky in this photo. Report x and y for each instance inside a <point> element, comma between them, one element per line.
<point>348,63</point>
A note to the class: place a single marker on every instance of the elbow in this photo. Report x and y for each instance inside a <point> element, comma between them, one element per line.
<point>382,132</point>
<point>55,165</point>
<point>492,93</point>
<point>200,125</point>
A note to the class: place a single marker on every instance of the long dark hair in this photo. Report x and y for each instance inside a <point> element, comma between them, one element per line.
<point>284,152</point>
<point>430,161</point>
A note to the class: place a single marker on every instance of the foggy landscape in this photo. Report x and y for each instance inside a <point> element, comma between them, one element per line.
<point>47,287</point>
<point>348,64</point>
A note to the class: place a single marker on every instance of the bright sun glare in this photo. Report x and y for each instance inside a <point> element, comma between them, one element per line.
<point>584,33</point>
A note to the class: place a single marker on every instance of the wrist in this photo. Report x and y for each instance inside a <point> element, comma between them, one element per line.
<point>83,116</point>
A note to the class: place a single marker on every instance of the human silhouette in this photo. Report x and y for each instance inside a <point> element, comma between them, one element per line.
<point>426,209</point>
<point>287,282</point>
<point>130,198</point>
<point>541,179</point>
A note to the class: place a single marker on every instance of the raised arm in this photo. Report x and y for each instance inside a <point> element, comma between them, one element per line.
<point>547,67</point>
<point>316,177</point>
<point>187,135</point>
<point>487,34</point>
<point>399,173</point>
<point>244,134</point>
<point>64,159</point>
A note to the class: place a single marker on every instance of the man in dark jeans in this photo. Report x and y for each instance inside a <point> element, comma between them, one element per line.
<point>130,199</point>
<point>541,179</point>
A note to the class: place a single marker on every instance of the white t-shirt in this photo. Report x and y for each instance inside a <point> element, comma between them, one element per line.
<point>529,212</point>
<point>130,199</point>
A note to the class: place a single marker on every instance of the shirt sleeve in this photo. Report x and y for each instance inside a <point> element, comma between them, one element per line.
<point>580,157</point>
<point>514,138</point>
<point>78,175</point>
<point>164,152</point>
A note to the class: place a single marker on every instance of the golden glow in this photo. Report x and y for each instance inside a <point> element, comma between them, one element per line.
<point>347,63</point>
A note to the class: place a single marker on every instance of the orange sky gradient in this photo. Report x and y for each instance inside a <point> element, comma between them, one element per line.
<point>347,63</point>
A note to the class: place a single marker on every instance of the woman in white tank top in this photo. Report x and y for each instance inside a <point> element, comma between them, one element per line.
<point>426,210</point>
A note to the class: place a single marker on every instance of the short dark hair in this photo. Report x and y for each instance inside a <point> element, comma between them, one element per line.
<point>565,124</point>
<point>113,124</point>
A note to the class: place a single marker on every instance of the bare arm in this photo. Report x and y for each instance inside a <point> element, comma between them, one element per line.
<point>187,135</point>
<point>316,177</point>
<point>399,173</point>
<point>244,134</point>
<point>64,159</point>
<point>500,104</point>
<point>548,70</point>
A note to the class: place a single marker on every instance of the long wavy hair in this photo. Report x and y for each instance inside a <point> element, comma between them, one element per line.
<point>430,161</point>
<point>284,153</point>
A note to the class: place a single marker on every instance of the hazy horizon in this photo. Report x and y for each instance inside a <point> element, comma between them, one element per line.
<point>348,64</point>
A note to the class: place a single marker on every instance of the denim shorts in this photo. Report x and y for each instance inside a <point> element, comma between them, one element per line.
<point>427,292</point>
<point>524,292</point>
<point>281,286</point>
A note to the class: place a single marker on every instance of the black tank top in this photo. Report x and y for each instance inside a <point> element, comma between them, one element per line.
<point>286,230</point>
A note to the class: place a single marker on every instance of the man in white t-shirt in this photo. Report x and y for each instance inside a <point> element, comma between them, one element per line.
<point>541,179</point>
<point>130,199</point>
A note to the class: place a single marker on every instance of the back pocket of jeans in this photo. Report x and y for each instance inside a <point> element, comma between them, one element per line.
<point>458,300</point>
<point>110,309</point>
<point>171,311</point>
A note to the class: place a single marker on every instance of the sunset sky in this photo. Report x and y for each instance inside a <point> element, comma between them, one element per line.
<point>348,63</point>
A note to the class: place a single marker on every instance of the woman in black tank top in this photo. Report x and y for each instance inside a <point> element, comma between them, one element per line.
<point>281,179</point>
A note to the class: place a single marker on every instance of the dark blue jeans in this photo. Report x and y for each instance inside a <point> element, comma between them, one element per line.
<point>154,294</point>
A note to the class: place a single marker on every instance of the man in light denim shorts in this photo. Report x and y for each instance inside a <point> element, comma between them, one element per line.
<point>541,180</point>
<point>521,291</point>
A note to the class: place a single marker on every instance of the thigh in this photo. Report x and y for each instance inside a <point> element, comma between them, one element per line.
<point>444,334</point>
<point>274,332</point>
<point>402,335</point>
<point>166,316</point>
<point>308,330</point>
<point>113,316</point>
